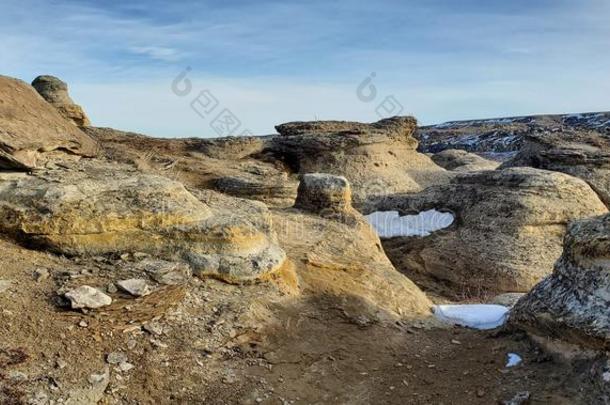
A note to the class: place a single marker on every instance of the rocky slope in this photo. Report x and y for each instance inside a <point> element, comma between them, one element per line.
<point>503,137</point>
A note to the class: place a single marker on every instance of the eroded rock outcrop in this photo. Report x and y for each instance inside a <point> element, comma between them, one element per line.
<point>377,158</point>
<point>462,161</point>
<point>321,192</point>
<point>102,210</point>
<point>582,153</point>
<point>337,253</point>
<point>508,228</point>
<point>32,131</point>
<point>230,165</point>
<point>55,92</point>
<point>275,189</point>
<point>571,305</point>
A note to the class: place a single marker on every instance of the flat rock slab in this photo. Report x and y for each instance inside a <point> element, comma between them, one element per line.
<point>136,286</point>
<point>87,297</point>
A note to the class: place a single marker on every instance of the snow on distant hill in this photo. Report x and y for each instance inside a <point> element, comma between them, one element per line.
<point>501,138</point>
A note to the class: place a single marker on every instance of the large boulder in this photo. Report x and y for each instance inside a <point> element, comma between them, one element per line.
<point>377,158</point>
<point>582,153</point>
<point>32,131</point>
<point>572,304</point>
<point>104,210</point>
<point>507,233</point>
<point>55,92</point>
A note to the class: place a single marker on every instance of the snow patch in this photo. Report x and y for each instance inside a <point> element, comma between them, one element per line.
<point>476,316</point>
<point>513,360</point>
<point>390,224</point>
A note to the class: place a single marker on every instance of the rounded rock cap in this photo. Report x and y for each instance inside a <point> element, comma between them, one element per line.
<point>321,191</point>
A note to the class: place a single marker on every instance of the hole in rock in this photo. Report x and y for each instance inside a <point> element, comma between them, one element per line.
<point>390,224</point>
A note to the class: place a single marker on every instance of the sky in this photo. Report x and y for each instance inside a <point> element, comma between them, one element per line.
<point>234,67</point>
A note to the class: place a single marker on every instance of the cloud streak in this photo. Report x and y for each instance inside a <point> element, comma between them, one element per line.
<point>279,60</point>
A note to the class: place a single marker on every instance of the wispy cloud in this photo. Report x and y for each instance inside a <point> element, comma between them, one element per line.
<point>280,60</point>
<point>158,53</point>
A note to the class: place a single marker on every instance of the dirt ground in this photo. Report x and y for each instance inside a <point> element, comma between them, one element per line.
<point>223,344</point>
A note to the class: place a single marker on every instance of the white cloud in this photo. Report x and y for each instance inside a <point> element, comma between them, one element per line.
<point>158,53</point>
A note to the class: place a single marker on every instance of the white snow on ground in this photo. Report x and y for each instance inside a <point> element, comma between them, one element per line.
<point>476,316</point>
<point>513,360</point>
<point>389,224</point>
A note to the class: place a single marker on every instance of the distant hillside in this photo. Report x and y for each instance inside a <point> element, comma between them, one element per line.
<point>502,137</point>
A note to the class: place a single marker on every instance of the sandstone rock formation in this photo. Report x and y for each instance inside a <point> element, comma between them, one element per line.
<point>102,210</point>
<point>275,189</point>
<point>55,92</point>
<point>32,131</point>
<point>377,158</point>
<point>235,166</point>
<point>337,253</point>
<point>508,228</point>
<point>571,305</point>
<point>232,147</point>
<point>580,153</point>
<point>319,192</point>
<point>462,161</point>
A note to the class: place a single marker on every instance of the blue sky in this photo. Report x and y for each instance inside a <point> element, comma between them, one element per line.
<point>274,61</point>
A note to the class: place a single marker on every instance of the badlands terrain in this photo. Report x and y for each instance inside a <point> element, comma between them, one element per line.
<point>319,265</point>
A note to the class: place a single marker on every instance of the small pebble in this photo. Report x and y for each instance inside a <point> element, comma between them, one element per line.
<point>116,358</point>
<point>125,366</point>
<point>41,274</point>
